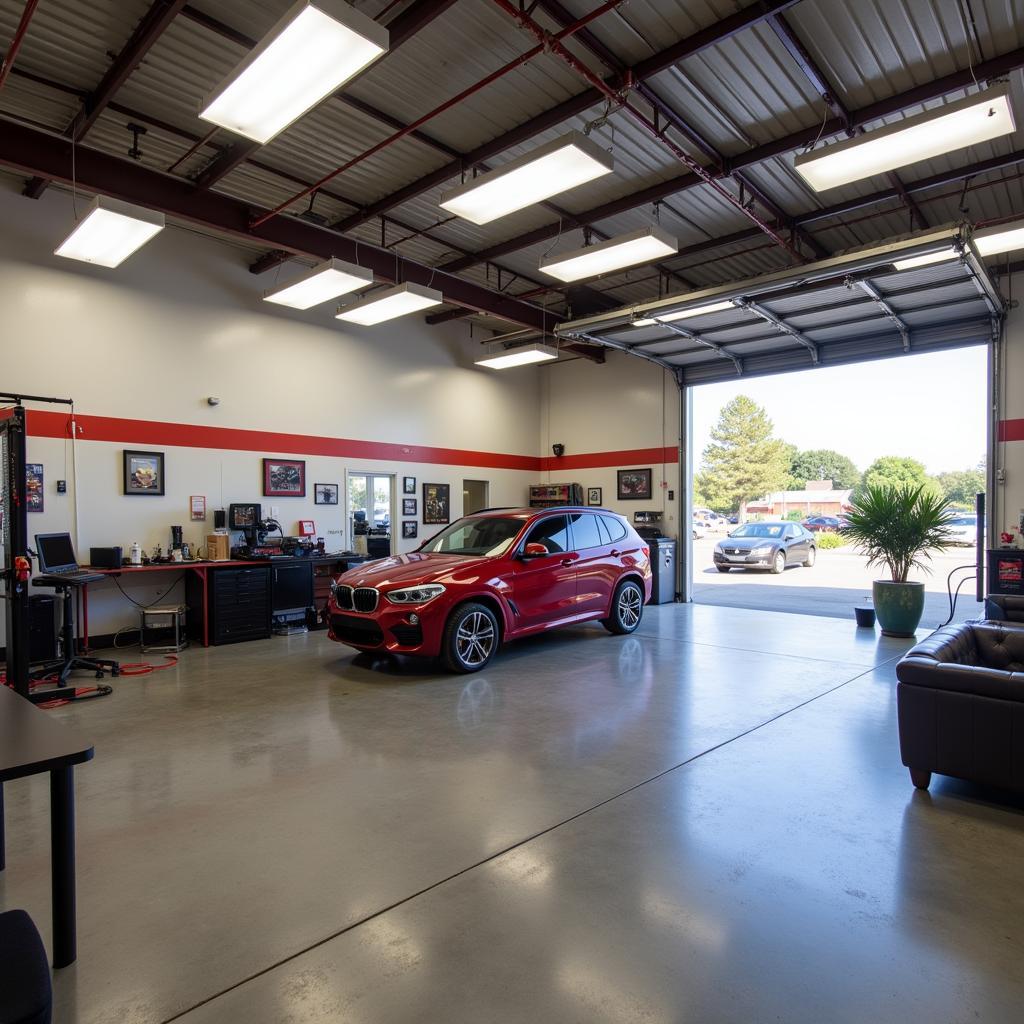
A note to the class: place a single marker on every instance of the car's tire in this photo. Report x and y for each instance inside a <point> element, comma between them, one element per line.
<point>812,554</point>
<point>627,608</point>
<point>694,534</point>
<point>778,562</point>
<point>471,638</point>
<point>723,568</point>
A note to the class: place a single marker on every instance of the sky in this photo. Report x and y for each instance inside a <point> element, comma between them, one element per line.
<point>929,406</point>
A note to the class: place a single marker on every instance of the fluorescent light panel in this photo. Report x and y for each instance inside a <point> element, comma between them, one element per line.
<point>685,314</point>
<point>389,304</point>
<point>1002,238</point>
<point>911,262</point>
<point>110,232</point>
<point>986,115</point>
<point>326,281</point>
<point>536,353</point>
<point>546,171</point>
<point>644,246</point>
<point>311,51</point>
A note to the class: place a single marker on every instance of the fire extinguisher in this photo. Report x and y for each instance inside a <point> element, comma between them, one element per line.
<point>22,571</point>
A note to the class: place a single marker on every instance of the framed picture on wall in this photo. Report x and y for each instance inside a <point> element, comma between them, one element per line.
<point>143,472</point>
<point>408,485</point>
<point>408,506</point>
<point>410,529</point>
<point>284,478</point>
<point>33,487</point>
<point>593,495</point>
<point>436,504</point>
<point>197,507</point>
<point>635,484</point>
<point>325,494</point>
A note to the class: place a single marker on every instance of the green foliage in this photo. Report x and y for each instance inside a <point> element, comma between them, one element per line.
<point>896,471</point>
<point>960,486</point>
<point>743,461</point>
<point>825,541</point>
<point>822,464</point>
<point>794,516</point>
<point>898,525</point>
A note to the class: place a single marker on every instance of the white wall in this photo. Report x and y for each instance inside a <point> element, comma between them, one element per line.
<point>624,405</point>
<point>182,320</point>
<point>1009,496</point>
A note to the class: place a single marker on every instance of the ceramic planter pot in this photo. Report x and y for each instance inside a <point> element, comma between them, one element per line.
<point>899,606</point>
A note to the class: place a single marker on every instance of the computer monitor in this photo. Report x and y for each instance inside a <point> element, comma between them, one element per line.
<point>56,552</point>
<point>244,517</point>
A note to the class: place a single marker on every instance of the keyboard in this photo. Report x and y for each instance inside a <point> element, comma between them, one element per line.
<point>73,576</point>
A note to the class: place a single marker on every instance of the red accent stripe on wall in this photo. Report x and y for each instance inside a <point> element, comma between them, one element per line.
<point>1011,430</point>
<point>189,435</point>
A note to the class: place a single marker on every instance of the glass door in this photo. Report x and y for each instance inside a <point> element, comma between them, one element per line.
<point>369,511</point>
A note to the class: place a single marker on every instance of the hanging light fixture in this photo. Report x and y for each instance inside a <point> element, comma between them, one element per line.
<point>978,118</point>
<point>535,353</point>
<point>390,304</point>
<point>913,262</point>
<point>685,314</point>
<point>313,49</point>
<point>545,171</point>
<point>644,246</point>
<point>325,281</point>
<point>1000,238</point>
<point>110,232</point>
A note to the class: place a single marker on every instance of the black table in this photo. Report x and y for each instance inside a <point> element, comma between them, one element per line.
<point>30,743</point>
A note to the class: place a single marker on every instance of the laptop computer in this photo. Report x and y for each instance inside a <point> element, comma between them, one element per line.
<point>57,557</point>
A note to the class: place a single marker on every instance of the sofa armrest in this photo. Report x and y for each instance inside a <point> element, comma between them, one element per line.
<point>971,679</point>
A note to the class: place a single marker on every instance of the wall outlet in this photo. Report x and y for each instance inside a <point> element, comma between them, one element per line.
<point>275,511</point>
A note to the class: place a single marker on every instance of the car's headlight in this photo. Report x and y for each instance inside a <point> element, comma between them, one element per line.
<point>764,549</point>
<point>415,595</point>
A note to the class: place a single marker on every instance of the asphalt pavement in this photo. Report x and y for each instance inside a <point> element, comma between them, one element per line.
<point>839,580</point>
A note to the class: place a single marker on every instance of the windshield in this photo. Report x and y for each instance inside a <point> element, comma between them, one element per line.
<point>488,536</point>
<point>771,530</point>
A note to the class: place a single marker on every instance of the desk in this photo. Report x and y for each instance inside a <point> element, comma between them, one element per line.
<point>200,569</point>
<point>31,743</point>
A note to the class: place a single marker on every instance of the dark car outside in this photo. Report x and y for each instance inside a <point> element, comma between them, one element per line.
<point>827,524</point>
<point>767,546</point>
<point>492,577</point>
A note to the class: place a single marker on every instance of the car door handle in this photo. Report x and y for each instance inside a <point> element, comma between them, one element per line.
<point>615,552</point>
<point>569,561</point>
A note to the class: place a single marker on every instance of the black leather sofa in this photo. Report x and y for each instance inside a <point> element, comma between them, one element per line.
<point>961,704</point>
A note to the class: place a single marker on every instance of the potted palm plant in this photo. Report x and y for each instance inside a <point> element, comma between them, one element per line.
<point>898,527</point>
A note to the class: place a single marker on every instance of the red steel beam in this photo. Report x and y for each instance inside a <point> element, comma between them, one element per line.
<point>573,107</point>
<point>35,152</point>
<point>149,29</point>
<point>416,16</point>
<point>19,37</point>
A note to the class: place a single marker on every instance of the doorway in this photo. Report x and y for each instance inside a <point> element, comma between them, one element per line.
<point>474,496</point>
<point>370,500</point>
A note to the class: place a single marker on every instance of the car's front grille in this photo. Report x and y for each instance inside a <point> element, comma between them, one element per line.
<point>408,636</point>
<point>353,630</point>
<point>364,599</point>
<point>343,596</point>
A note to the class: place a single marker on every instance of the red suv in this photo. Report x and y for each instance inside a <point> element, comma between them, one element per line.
<point>491,577</point>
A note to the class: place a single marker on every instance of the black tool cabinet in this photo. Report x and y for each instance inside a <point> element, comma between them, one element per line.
<point>239,604</point>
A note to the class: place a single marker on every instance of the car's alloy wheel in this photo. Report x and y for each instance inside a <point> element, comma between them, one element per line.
<point>811,555</point>
<point>627,608</point>
<point>779,562</point>
<point>471,638</point>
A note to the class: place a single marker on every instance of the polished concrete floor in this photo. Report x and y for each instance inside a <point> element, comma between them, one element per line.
<point>706,821</point>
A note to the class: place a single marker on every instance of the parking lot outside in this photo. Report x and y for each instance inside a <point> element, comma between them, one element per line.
<point>839,580</point>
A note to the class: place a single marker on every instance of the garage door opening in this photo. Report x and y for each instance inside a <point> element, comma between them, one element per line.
<point>777,461</point>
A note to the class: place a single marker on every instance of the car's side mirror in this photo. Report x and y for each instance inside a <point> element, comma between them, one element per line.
<point>535,551</point>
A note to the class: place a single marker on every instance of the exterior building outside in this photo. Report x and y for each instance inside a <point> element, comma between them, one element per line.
<point>817,499</point>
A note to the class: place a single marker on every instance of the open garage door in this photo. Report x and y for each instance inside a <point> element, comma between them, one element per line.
<point>918,294</point>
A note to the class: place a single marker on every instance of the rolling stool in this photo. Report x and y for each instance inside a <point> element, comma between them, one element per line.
<point>25,994</point>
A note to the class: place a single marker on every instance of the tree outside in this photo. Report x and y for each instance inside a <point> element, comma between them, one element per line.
<point>961,486</point>
<point>897,471</point>
<point>822,464</point>
<point>744,461</point>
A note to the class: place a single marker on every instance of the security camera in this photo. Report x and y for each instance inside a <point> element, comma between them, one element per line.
<point>558,449</point>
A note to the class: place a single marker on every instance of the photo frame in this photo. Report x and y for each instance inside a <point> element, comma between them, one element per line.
<point>143,473</point>
<point>408,485</point>
<point>325,494</point>
<point>408,506</point>
<point>197,507</point>
<point>34,487</point>
<point>635,485</point>
<point>307,528</point>
<point>437,504</point>
<point>593,495</point>
<point>284,478</point>
<point>410,529</point>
